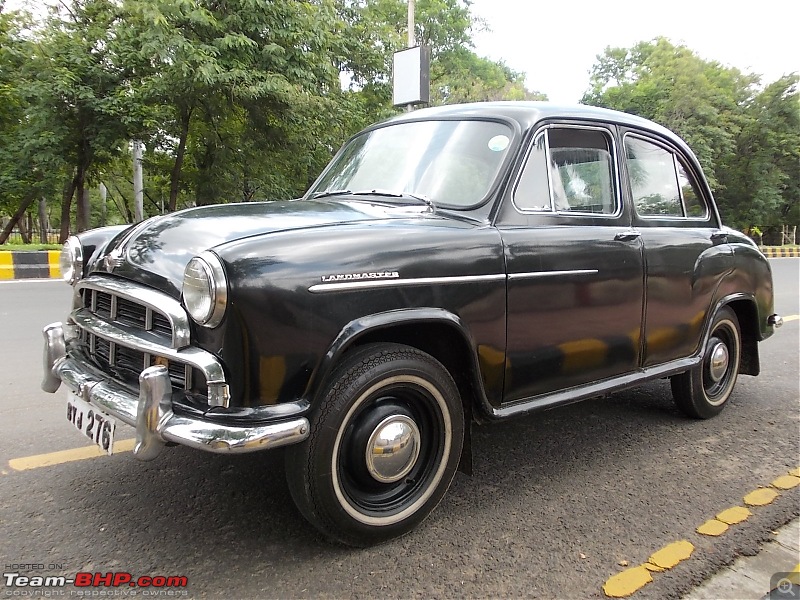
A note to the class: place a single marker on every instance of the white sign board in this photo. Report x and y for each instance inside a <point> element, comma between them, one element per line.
<point>412,79</point>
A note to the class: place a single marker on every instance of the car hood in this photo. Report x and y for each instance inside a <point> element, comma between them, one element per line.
<point>156,252</point>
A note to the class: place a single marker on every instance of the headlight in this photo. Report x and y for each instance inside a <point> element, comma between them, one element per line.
<point>205,289</point>
<point>71,260</point>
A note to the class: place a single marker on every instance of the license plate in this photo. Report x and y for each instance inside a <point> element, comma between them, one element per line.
<point>94,424</point>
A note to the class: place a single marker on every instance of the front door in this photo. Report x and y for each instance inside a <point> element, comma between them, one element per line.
<point>575,266</point>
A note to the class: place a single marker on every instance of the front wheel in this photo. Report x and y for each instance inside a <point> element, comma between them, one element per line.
<point>385,442</point>
<point>703,391</point>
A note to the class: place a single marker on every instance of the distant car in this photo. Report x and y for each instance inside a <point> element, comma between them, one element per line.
<point>452,265</point>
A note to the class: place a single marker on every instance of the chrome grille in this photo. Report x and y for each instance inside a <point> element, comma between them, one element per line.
<point>127,363</point>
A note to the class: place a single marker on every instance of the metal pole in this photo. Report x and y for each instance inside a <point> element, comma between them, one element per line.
<point>411,36</point>
<point>411,40</point>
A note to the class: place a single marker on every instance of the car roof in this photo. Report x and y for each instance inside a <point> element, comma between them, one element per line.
<point>528,113</point>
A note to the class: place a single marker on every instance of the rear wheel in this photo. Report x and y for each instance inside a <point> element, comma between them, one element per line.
<point>703,391</point>
<point>385,442</point>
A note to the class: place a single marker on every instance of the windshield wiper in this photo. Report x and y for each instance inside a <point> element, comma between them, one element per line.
<point>327,193</point>
<point>424,199</point>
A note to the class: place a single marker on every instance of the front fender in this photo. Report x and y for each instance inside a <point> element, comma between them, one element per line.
<point>459,354</point>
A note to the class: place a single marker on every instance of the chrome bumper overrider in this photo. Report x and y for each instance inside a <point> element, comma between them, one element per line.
<point>151,411</point>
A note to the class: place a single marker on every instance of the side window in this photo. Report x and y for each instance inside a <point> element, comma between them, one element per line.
<point>533,192</point>
<point>654,182</point>
<point>660,184</point>
<point>692,199</point>
<point>569,169</point>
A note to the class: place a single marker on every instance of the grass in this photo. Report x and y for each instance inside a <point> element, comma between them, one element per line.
<point>29,247</point>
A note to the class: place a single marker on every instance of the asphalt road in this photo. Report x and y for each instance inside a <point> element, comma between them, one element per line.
<point>557,503</point>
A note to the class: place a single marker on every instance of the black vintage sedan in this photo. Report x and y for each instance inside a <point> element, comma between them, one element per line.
<point>451,266</point>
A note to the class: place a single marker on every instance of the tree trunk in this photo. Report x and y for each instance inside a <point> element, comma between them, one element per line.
<point>175,176</point>
<point>66,204</point>
<point>82,214</point>
<point>17,216</point>
<point>44,225</point>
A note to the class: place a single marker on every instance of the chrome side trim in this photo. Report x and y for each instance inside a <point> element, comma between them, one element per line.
<point>541,274</point>
<point>218,391</point>
<point>594,389</point>
<point>161,303</point>
<point>381,283</point>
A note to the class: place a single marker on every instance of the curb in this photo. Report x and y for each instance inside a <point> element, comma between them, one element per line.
<point>42,264</point>
<point>779,252</point>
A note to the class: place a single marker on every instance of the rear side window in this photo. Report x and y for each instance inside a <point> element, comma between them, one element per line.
<point>569,169</point>
<point>660,185</point>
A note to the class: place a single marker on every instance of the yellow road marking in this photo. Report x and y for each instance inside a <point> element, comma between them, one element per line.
<point>791,318</point>
<point>671,554</point>
<point>631,580</point>
<point>786,482</point>
<point>734,515</point>
<point>626,583</point>
<point>65,456</point>
<point>713,527</point>
<point>760,497</point>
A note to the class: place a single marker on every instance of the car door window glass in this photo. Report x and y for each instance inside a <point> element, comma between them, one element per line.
<point>654,181</point>
<point>692,200</point>
<point>532,192</point>
<point>568,170</point>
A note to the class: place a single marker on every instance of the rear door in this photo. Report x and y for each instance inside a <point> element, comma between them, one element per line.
<point>686,253</point>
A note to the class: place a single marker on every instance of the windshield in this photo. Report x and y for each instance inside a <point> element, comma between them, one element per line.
<point>454,163</point>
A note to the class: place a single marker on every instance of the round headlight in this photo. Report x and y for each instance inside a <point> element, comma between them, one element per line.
<point>205,290</point>
<point>71,260</point>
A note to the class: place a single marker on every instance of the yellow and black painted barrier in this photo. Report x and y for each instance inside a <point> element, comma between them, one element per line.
<point>30,265</point>
<point>781,251</point>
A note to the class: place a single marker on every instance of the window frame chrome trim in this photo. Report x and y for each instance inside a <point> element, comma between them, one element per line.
<point>684,218</point>
<point>616,179</point>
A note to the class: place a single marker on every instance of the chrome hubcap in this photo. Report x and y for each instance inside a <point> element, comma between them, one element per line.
<point>718,362</point>
<point>393,449</point>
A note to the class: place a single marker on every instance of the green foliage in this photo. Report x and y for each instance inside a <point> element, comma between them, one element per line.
<point>745,138</point>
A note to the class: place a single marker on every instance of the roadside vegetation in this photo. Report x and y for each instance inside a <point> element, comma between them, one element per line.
<point>239,101</point>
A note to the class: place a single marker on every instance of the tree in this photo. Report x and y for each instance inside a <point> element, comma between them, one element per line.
<point>745,138</point>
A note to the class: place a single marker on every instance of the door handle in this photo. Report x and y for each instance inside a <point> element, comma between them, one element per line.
<point>719,236</point>
<point>627,236</point>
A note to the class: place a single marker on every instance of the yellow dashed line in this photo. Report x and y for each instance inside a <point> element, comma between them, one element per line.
<point>786,482</point>
<point>671,555</point>
<point>713,528</point>
<point>65,456</point>
<point>734,515</point>
<point>760,497</point>
<point>631,580</point>
<point>791,318</point>
<point>626,583</point>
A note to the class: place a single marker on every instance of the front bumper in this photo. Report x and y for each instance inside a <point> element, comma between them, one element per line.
<point>151,412</point>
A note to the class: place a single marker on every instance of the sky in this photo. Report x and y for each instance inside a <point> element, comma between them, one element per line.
<point>555,43</point>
